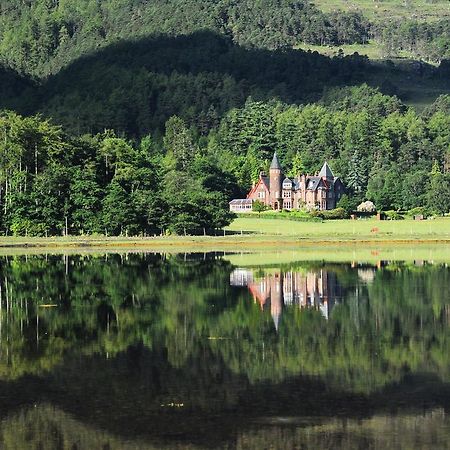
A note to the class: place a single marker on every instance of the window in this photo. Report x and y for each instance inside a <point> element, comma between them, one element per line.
<point>287,204</point>
<point>261,194</point>
<point>286,194</point>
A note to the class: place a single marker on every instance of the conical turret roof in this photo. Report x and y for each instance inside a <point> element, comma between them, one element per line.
<point>275,163</point>
<point>326,172</point>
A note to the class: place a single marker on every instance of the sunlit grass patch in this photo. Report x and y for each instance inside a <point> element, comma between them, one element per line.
<point>350,229</point>
<point>390,9</point>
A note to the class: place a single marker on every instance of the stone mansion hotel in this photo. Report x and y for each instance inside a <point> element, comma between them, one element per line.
<point>321,191</point>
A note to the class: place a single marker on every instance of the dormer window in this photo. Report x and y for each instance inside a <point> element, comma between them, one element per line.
<point>287,184</point>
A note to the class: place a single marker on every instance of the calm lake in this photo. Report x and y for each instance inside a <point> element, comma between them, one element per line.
<point>192,351</point>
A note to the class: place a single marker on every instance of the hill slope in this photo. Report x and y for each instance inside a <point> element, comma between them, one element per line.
<point>40,37</point>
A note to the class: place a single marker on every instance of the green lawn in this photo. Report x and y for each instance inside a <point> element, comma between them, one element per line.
<point>371,229</point>
<point>268,235</point>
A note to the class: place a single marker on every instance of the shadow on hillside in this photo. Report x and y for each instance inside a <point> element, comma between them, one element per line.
<point>16,91</point>
<point>134,86</point>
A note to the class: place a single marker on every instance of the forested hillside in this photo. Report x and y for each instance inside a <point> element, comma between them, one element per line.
<point>130,65</point>
<point>133,87</point>
<point>39,37</point>
<point>382,150</point>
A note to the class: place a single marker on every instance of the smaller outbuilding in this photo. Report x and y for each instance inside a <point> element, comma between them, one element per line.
<point>241,205</point>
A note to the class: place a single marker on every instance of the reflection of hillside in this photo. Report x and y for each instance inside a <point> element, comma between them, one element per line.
<point>317,289</point>
<point>46,427</point>
<point>424,431</point>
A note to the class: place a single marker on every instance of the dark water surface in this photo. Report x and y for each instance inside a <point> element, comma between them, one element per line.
<point>157,351</point>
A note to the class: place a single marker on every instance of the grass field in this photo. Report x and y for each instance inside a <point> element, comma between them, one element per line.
<point>425,10</point>
<point>268,235</point>
<point>348,230</point>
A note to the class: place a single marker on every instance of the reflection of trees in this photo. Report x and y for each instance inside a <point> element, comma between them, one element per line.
<point>396,324</point>
<point>380,332</point>
<point>102,305</point>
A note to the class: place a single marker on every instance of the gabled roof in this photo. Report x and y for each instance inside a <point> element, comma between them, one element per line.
<point>275,163</point>
<point>266,182</point>
<point>326,172</point>
<point>314,181</point>
<point>287,180</point>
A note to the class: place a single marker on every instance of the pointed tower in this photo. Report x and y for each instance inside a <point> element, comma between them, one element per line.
<point>326,172</point>
<point>275,176</point>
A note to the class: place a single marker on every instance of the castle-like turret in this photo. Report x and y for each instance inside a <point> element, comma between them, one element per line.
<point>276,298</point>
<point>276,178</point>
<point>326,172</point>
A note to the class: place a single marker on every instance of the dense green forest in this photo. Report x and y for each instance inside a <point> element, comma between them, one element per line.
<point>51,183</point>
<point>40,37</point>
<point>134,87</point>
<point>382,150</point>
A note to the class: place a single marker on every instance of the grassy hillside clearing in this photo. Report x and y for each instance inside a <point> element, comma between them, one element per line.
<point>417,92</point>
<point>373,50</point>
<point>425,10</point>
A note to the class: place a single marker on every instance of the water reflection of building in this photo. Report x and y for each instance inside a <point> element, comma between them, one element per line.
<point>318,289</point>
